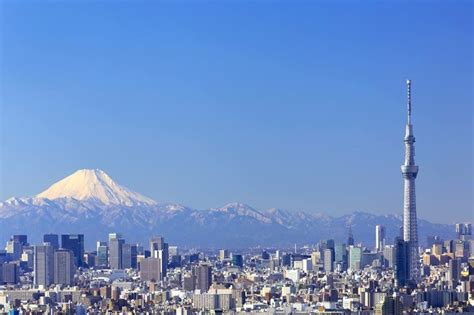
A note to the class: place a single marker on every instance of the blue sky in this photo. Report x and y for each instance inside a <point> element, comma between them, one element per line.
<point>298,105</point>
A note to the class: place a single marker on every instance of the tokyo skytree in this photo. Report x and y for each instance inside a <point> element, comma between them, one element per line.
<point>409,172</point>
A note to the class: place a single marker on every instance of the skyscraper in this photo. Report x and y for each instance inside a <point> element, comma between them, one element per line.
<point>379,237</point>
<point>126,256</point>
<point>223,254</point>
<point>159,249</point>
<point>350,238</point>
<point>53,239</point>
<point>102,254</point>
<point>355,256</point>
<point>328,260</point>
<point>44,264</point>
<point>409,172</point>
<point>21,238</point>
<point>150,269</point>
<point>64,267</point>
<point>203,277</point>
<point>115,250</point>
<point>14,249</point>
<point>340,255</point>
<point>75,243</point>
<point>402,263</point>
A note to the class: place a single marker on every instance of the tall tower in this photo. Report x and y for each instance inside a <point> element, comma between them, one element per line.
<point>409,172</point>
<point>379,237</point>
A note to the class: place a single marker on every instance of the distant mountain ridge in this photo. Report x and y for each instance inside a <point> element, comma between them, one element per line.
<point>90,202</point>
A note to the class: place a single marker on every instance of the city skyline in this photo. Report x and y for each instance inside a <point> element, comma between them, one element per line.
<point>204,134</point>
<point>236,157</point>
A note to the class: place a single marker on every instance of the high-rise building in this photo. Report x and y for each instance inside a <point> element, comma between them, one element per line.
<point>389,255</point>
<point>43,265</point>
<point>53,239</point>
<point>461,250</point>
<point>340,255</point>
<point>21,238</point>
<point>350,238</point>
<point>391,305</point>
<point>328,260</point>
<point>75,243</point>
<point>237,260</point>
<point>102,254</point>
<point>159,249</point>
<point>223,254</point>
<point>409,172</point>
<point>355,256</point>
<point>64,267</point>
<point>203,277</point>
<point>115,251</point>
<point>134,250</point>
<point>454,271</point>
<point>402,262</point>
<point>150,269</point>
<point>379,237</point>
<point>173,251</point>
<point>126,256</point>
<point>463,231</point>
<point>9,273</point>
<point>14,249</point>
<point>189,282</point>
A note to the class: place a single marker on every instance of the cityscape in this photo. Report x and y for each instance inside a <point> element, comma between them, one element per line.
<point>264,157</point>
<point>59,276</point>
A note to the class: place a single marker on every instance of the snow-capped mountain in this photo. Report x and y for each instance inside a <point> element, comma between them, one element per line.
<point>90,202</point>
<point>94,185</point>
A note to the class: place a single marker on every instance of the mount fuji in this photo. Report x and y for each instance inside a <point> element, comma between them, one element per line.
<point>90,202</point>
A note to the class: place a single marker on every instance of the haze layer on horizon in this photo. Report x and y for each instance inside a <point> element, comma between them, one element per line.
<point>297,106</point>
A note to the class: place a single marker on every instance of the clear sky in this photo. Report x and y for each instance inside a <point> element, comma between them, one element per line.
<point>297,105</point>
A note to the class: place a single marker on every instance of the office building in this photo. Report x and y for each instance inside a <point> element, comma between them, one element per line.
<point>379,237</point>
<point>402,262</point>
<point>150,269</point>
<point>134,250</point>
<point>389,255</point>
<point>43,273</point>
<point>75,243</point>
<point>454,271</point>
<point>64,267</point>
<point>223,254</point>
<point>340,255</point>
<point>21,238</point>
<point>173,251</point>
<point>355,256</point>
<point>328,260</point>
<point>203,277</point>
<point>14,249</point>
<point>102,254</point>
<point>9,273</point>
<point>115,251</point>
<point>159,249</point>
<point>238,261</point>
<point>126,256</point>
<point>350,238</point>
<point>53,239</point>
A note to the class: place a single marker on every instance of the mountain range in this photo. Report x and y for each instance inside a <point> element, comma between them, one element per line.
<point>90,202</point>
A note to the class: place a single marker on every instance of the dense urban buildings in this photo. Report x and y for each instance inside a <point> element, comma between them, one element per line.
<point>328,277</point>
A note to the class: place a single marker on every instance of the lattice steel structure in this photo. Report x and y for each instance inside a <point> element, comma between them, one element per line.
<point>409,172</point>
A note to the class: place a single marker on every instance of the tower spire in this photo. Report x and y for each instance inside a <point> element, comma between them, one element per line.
<point>409,101</point>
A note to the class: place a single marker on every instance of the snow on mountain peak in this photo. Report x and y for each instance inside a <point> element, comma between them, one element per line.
<point>94,185</point>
